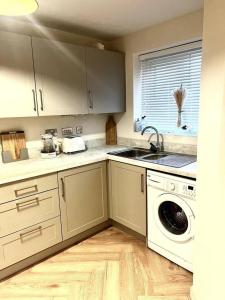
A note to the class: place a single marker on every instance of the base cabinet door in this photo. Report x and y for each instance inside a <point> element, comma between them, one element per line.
<point>128,196</point>
<point>83,198</point>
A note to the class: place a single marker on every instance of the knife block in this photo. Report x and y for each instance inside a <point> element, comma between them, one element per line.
<point>7,156</point>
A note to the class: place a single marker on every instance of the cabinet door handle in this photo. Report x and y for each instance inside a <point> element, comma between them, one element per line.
<point>63,188</point>
<point>24,204</point>
<point>91,105</point>
<point>142,183</point>
<point>22,235</point>
<point>34,99</point>
<point>41,98</point>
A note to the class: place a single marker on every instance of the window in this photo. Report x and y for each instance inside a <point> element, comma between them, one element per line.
<point>161,72</point>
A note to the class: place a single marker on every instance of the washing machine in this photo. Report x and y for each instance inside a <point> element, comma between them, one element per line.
<point>171,217</point>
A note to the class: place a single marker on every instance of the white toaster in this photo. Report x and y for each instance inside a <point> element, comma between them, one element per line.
<point>72,144</point>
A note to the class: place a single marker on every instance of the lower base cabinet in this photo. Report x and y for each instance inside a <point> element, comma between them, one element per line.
<point>31,224</point>
<point>22,244</point>
<point>36,223</point>
<point>128,195</point>
<point>83,198</point>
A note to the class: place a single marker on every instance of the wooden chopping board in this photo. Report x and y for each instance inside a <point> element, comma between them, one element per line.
<point>13,142</point>
<point>111,133</point>
<point>20,143</point>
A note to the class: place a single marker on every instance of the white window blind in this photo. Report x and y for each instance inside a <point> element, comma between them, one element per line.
<point>160,73</point>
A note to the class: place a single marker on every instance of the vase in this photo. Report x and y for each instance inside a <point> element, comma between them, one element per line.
<point>179,118</point>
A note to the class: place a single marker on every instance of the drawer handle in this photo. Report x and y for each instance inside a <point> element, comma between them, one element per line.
<point>24,204</point>
<point>22,235</point>
<point>142,183</point>
<point>26,190</point>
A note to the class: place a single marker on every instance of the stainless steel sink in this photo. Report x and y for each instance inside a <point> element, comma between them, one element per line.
<point>162,158</point>
<point>154,156</point>
<point>139,153</point>
<point>132,153</point>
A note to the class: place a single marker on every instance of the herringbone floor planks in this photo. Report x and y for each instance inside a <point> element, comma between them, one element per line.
<point>111,265</point>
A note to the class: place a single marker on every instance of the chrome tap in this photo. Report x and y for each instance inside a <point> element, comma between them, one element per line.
<point>162,140</point>
<point>156,147</point>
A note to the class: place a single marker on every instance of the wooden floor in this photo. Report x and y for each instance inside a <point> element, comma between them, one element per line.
<point>111,265</point>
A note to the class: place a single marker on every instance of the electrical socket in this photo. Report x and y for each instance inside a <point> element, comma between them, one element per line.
<point>53,132</point>
<point>67,131</point>
<point>79,129</point>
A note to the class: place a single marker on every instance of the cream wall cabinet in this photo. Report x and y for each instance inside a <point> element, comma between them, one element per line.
<point>17,96</point>
<point>128,195</point>
<point>47,78</point>
<point>105,81</point>
<point>83,198</point>
<point>60,78</point>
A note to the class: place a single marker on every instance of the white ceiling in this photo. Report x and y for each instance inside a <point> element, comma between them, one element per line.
<point>108,19</point>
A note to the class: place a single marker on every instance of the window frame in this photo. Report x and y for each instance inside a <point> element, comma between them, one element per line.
<point>154,53</point>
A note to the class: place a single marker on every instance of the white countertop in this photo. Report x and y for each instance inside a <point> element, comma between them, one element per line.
<point>37,166</point>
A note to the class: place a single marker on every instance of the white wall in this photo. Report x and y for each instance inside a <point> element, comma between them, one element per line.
<point>177,31</point>
<point>94,125</point>
<point>209,266</point>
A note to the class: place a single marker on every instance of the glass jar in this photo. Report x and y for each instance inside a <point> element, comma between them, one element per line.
<point>48,144</point>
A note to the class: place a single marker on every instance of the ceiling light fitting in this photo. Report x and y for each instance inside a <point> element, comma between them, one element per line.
<point>17,7</point>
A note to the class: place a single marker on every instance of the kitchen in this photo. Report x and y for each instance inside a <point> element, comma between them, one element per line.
<point>39,55</point>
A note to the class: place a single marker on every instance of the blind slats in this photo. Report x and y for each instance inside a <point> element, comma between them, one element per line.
<point>159,76</point>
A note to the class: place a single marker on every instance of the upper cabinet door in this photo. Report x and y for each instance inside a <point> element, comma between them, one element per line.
<point>105,81</point>
<point>17,88</point>
<point>60,78</point>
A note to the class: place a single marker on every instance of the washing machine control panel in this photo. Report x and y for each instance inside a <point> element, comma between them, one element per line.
<point>183,189</point>
<point>172,184</point>
<point>189,190</point>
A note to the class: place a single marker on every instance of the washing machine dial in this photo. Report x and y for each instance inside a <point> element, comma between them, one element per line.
<point>172,187</point>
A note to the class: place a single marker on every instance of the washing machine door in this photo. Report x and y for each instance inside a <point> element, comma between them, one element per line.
<point>174,217</point>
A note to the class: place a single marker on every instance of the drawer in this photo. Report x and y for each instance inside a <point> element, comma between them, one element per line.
<point>25,212</point>
<point>20,245</point>
<point>28,187</point>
